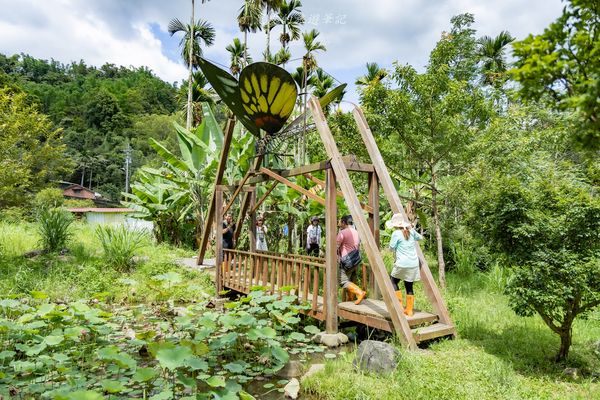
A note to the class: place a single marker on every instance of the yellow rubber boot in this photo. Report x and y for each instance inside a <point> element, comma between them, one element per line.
<point>399,297</point>
<point>358,292</point>
<point>410,303</point>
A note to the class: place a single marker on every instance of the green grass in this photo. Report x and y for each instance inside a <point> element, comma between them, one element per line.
<point>498,356</point>
<point>85,273</point>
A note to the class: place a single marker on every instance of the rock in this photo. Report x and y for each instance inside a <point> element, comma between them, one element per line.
<point>376,356</point>
<point>292,389</point>
<point>34,253</point>
<point>313,370</point>
<point>292,369</point>
<point>572,373</point>
<point>217,303</point>
<point>330,339</point>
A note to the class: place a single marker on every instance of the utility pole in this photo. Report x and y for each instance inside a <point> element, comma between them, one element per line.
<point>128,151</point>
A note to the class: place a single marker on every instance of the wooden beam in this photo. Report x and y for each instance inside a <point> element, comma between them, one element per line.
<point>246,202</point>
<point>218,216</point>
<point>375,260</point>
<point>239,188</point>
<point>218,178</point>
<point>252,222</point>
<point>288,173</point>
<point>264,197</point>
<point>431,289</point>
<point>373,185</point>
<point>321,183</point>
<point>331,275</point>
<point>292,185</point>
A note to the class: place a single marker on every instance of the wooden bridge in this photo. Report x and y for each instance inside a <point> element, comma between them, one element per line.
<point>315,280</point>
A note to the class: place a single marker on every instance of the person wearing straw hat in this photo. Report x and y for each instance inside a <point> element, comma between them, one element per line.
<point>313,237</point>
<point>406,266</point>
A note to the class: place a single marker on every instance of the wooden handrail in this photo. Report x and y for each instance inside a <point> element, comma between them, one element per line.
<point>273,257</point>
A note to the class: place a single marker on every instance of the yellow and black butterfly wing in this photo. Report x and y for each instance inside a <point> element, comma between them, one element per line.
<point>268,95</point>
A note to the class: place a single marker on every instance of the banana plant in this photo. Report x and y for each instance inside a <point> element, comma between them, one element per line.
<point>175,196</point>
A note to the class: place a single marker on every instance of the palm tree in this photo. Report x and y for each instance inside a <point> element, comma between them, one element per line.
<point>237,51</point>
<point>321,82</point>
<point>269,5</point>
<point>281,57</point>
<point>201,93</point>
<point>491,53</point>
<point>374,75</point>
<point>290,18</point>
<point>249,21</point>
<point>194,35</point>
<point>309,63</point>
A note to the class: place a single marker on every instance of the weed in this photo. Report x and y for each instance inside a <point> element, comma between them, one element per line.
<point>53,228</point>
<point>119,245</point>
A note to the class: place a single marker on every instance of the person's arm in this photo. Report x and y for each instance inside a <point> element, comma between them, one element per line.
<point>226,229</point>
<point>339,240</point>
<point>394,240</point>
<point>416,235</point>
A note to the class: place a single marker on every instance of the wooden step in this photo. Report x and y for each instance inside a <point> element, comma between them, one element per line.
<point>433,331</point>
<point>374,313</point>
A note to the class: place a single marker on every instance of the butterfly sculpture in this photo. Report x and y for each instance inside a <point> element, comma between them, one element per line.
<point>263,99</point>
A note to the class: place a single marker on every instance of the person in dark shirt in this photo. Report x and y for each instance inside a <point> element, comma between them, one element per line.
<point>228,229</point>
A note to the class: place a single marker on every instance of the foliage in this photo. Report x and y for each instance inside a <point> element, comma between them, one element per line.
<point>427,124</point>
<point>78,203</point>
<point>30,150</point>
<point>538,209</point>
<point>48,198</point>
<point>562,67</point>
<point>98,109</point>
<point>54,228</point>
<point>175,196</point>
<point>203,352</point>
<point>120,244</point>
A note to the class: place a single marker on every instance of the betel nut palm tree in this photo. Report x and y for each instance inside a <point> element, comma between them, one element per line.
<point>194,34</point>
<point>491,51</point>
<point>374,75</point>
<point>249,21</point>
<point>238,56</point>
<point>290,18</point>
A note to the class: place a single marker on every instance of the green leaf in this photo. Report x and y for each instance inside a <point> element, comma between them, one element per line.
<point>280,354</point>
<point>215,381</point>
<point>54,340</point>
<point>196,363</point>
<point>84,395</point>
<point>144,374</point>
<point>112,386</point>
<point>234,367</point>
<point>174,358</point>
<point>298,336</point>
<point>312,329</point>
<point>38,295</point>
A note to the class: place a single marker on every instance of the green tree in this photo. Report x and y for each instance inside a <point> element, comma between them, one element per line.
<point>562,67</point>
<point>290,18</point>
<point>374,75</point>
<point>31,152</point>
<point>237,56</point>
<point>269,6</point>
<point>491,51</point>
<point>249,21</point>
<point>428,122</point>
<point>532,202</point>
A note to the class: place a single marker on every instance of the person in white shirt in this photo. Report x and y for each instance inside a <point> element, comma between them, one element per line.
<point>261,235</point>
<point>313,237</point>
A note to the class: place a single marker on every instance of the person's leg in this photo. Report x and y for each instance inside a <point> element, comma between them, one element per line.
<point>410,298</point>
<point>350,286</point>
<point>395,282</point>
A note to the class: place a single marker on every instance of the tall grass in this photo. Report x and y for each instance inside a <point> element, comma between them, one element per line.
<point>120,244</point>
<point>53,228</point>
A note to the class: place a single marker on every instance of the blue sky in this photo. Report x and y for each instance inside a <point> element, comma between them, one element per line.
<point>133,32</point>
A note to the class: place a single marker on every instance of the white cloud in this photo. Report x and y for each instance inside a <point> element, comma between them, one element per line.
<point>354,31</point>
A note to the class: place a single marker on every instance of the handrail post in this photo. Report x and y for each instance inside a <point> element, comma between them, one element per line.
<point>219,238</point>
<point>331,271</point>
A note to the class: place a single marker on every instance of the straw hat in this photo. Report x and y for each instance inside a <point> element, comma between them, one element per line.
<point>397,222</point>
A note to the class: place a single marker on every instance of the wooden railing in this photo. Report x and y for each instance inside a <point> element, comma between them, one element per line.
<point>242,270</point>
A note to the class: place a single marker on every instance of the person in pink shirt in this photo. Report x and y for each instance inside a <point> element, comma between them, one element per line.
<point>349,254</point>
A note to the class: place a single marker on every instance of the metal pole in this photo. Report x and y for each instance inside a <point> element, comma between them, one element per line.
<point>128,151</point>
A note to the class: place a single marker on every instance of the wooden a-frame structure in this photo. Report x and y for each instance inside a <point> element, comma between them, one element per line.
<point>315,280</point>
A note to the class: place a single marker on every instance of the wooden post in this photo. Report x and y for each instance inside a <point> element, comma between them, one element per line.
<point>218,238</point>
<point>431,289</point>
<point>218,178</point>
<point>246,202</point>
<point>252,222</point>
<point>374,225</point>
<point>375,260</point>
<point>331,266</point>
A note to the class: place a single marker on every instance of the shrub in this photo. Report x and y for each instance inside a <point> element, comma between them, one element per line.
<point>13,215</point>
<point>119,245</point>
<point>54,224</point>
<point>48,198</point>
<point>78,203</point>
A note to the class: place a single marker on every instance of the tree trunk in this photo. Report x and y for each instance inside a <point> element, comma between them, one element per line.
<point>268,52</point>
<point>565,344</point>
<point>438,232</point>
<point>245,48</point>
<point>188,122</point>
<point>289,235</point>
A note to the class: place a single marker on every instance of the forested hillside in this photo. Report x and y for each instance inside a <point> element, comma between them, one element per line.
<point>98,111</point>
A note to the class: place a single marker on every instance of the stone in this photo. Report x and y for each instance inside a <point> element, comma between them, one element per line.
<point>375,356</point>
<point>292,389</point>
<point>292,369</point>
<point>314,368</point>
<point>330,339</point>
<point>572,373</point>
